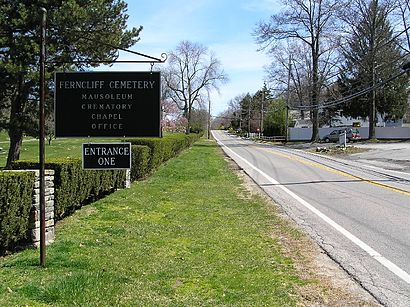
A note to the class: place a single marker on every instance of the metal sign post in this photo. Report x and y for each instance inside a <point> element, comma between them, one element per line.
<point>41,138</point>
<point>103,112</point>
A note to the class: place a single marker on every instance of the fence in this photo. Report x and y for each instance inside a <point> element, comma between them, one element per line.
<point>398,133</point>
<point>258,136</point>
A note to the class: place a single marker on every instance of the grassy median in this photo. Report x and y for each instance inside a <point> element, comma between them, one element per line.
<point>190,235</point>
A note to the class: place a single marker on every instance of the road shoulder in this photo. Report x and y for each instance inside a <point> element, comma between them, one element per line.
<point>327,283</point>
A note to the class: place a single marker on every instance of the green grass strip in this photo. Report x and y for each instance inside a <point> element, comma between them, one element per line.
<point>188,236</point>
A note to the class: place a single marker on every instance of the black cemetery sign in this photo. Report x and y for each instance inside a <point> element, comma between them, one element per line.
<point>107,104</point>
<point>106,156</point>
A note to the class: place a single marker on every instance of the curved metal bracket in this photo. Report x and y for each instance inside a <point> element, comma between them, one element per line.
<point>150,60</point>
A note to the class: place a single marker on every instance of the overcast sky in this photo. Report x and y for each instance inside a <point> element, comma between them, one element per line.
<point>223,26</point>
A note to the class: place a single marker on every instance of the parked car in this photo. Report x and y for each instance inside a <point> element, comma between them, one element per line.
<point>352,134</point>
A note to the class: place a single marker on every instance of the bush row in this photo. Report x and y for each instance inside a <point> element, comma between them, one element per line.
<point>165,148</point>
<point>140,161</point>
<point>16,191</point>
<point>75,187</point>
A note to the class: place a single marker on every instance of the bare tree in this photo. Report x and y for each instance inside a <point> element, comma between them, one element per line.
<point>402,11</point>
<point>192,70</point>
<point>290,64</point>
<point>311,22</point>
<point>235,111</point>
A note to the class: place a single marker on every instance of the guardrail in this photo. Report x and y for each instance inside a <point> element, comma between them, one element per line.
<point>277,138</point>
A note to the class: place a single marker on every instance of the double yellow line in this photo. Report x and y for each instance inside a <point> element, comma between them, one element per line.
<point>335,171</point>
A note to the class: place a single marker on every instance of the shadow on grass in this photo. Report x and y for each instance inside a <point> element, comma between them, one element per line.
<point>59,255</point>
<point>79,288</point>
<point>25,261</point>
<point>206,145</point>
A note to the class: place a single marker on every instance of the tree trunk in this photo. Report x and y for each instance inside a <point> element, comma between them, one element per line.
<point>188,128</point>
<point>315,92</point>
<point>372,109</point>
<point>16,138</point>
<point>372,115</point>
<point>15,126</point>
<point>315,126</point>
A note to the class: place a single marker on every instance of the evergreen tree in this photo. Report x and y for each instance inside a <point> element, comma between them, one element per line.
<point>77,30</point>
<point>373,56</point>
<point>275,119</point>
<point>247,110</point>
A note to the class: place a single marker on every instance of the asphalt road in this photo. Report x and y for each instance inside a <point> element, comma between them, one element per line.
<point>358,213</point>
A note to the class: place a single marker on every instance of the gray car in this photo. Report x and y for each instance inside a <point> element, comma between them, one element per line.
<point>352,134</point>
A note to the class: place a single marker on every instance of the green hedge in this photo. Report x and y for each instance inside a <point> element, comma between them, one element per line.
<point>16,189</point>
<point>140,161</point>
<point>163,149</point>
<point>74,186</point>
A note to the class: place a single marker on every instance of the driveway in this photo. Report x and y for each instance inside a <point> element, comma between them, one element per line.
<point>389,155</point>
<point>389,158</point>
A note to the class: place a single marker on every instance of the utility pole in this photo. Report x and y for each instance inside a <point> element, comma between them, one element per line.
<point>41,138</point>
<point>209,117</point>
<point>372,52</point>
<point>288,101</point>
<point>263,100</point>
<point>240,119</point>
<point>249,120</point>
<point>372,115</point>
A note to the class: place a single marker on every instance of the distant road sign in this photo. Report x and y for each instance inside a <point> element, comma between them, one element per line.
<point>106,156</point>
<point>107,104</point>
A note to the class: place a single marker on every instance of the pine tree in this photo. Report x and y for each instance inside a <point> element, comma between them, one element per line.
<point>373,56</point>
<point>76,30</point>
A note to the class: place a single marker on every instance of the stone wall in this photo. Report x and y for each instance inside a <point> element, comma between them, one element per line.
<point>34,226</point>
<point>34,220</point>
<point>127,183</point>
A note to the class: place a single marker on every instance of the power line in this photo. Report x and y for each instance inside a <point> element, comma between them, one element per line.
<point>381,65</point>
<point>350,97</point>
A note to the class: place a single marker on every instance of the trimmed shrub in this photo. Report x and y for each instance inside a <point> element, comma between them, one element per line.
<point>74,186</point>
<point>156,150</point>
<point>16,190</point>
<point>163,149</point>
<point>140,161</point>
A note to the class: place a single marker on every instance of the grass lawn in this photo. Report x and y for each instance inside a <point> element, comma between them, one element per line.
<point>62,147</point>
<point>4,146</point>
<point>190,235</point>
<point>3,136</point>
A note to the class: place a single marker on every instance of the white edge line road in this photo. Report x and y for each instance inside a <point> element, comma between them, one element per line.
<point>372,253</point>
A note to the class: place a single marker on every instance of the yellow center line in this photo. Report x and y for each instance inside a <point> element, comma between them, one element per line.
<point>331,170</point>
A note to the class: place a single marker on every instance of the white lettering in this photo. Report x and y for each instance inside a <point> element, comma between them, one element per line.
<point>106,161</point>
<point>107,126</point>
<point>96,84</point>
